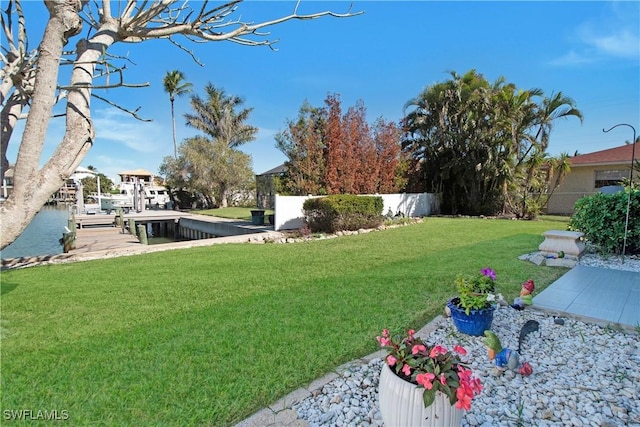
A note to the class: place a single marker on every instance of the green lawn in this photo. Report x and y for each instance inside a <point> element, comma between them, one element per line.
<point>232,212</point>
<point>207,336</point>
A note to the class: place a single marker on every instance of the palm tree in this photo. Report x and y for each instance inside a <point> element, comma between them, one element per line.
<point>175,85</point>
<point>555,107</point>
<point>217,117</point>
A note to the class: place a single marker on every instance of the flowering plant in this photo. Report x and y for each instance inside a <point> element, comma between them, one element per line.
<point>477,292</point>
<point>433,368</point>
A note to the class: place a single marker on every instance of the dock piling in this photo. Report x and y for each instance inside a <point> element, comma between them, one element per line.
<point>142,234</point>
<point>132,227</point>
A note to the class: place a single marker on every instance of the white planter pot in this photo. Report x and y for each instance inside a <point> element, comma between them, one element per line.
<point>401,404</point>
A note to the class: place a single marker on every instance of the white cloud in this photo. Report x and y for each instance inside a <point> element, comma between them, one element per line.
<point>609,38</point>
<point>623,44</point>
<point>144,137</point>
<point>573,58</point>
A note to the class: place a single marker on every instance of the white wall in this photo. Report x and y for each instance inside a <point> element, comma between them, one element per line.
<point>289,215</point>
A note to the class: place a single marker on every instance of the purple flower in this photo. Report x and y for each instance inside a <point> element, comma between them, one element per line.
<point>489,273</point>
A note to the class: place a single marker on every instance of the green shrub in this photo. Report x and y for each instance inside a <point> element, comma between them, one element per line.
<point>602,217</point>
<point>343,212</point>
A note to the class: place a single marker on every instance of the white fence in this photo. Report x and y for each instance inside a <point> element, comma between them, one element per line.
<point>289,214</point>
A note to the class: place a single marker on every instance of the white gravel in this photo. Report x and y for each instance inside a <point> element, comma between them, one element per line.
<point>583,375</point>
<point>629,263</point>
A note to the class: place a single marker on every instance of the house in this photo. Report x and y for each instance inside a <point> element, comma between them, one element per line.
<point>266,186</point>
<point>589,173</point>
<point>66,193</point>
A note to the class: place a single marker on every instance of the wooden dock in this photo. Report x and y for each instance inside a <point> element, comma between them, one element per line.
<point>103,220</point>
<point>103,240</point>
<point>100,220</point>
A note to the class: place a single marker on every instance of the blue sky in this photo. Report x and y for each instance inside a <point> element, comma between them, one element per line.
<point>588,50</point>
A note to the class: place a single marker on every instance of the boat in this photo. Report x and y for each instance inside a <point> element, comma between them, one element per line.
<point>139,184</point>
<point>113,202</point>
<point>156,196</point>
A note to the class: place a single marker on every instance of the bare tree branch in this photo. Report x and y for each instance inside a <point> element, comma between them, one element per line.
<point>133,113</point>
<point>188,51</point>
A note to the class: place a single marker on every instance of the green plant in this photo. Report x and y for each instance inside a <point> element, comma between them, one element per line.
<point>620,374</point>
<point>431,367</point>
<point>343,212</point>
<point>520,408</point>
<point>476,292</point>
<point>602,219</point>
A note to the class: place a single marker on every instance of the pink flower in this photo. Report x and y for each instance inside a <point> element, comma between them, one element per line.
<point>406,369</point>
<point>385,332</point>
<point>391,360</point>
<point>460,350</point>
<point>384,341</point>
<point>410,333</point>
<point>425,380</point>
<point>418,349</point>
<point>437,350</point>
<point>464,374</point>
<point>476,385</point>
<point>443,379</point>
<point>464,400</point>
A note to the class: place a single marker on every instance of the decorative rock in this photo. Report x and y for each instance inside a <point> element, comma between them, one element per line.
<point>575,421</point>
<point>537,259</point>
<point>577,379</point>
<point>560,262</point>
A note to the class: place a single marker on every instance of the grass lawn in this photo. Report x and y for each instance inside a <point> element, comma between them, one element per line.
<point>232,212</point>
<point>207,336</point>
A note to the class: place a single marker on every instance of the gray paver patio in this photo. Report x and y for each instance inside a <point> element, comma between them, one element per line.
<point>597,294</point>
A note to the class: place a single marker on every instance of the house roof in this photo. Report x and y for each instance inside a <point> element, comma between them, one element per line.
<point>80,169</point>
<point>136,172</point>
<point>617,155</point>
<point>275,171</point>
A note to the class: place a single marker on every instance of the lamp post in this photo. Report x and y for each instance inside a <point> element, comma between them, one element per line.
<point>633,154</point>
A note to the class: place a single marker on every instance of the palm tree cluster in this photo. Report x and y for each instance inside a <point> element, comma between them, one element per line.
<point>210,167</point>
<point>483,145</point>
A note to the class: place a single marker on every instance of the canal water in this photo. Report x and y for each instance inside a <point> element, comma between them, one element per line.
<point>42,236</point>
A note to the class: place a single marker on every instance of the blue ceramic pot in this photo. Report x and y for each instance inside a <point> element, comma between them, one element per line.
<point>474,323</point>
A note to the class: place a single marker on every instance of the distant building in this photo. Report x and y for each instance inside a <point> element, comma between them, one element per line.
<point>266,187</point>
<point>82,173</point>
<point>7,183</point>
<point>140,175</point>
<point>66,193</point>
<point>589,173</point>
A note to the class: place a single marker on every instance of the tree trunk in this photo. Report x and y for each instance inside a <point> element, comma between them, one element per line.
<point>173,123</point>
<point>33,187</point>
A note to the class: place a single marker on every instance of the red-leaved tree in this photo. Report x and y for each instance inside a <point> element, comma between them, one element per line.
<point>356,158</point>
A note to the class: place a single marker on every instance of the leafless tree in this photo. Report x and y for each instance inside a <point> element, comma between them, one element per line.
<point>30,78</point>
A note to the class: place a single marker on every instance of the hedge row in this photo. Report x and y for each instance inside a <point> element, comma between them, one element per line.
<point>342,212</point>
